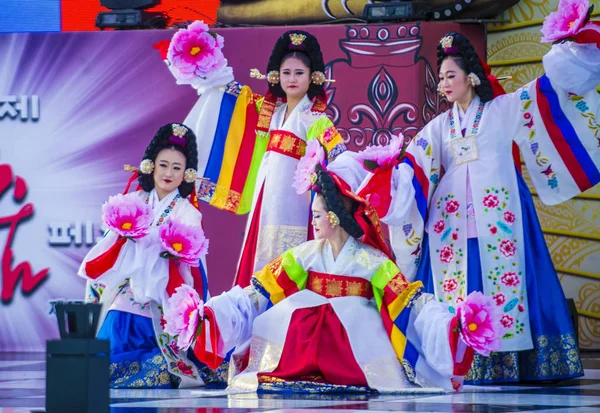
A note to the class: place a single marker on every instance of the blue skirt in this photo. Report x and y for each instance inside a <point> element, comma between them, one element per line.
<point>555,355</point>
<point>136,361</point>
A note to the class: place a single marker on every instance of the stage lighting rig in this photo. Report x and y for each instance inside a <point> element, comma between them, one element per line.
<point>130,14</point>
<point>413,10</point>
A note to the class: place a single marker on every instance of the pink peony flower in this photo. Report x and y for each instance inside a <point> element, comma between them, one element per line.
<point>184,368</point>
<point>127,216</point>
<point>480,326</point>
<point>305,170</point>
<point>510,279</point>
<point>384,156</point>
<point>186,243</point>
<point>450,285</point>
<point>507,321</point>
<point>509,217</point>
<point>490,201</point>
<point>507,248</point>
<point>566,21</point>
<point>447,254</point>
<point>452,206</point>
<point>499,298</point>
<point>439,226</point>
<point>194,52</point>
<point>184,315</point>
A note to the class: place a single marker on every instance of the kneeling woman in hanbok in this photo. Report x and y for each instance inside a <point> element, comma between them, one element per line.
<point>155,243</point>
<point>335,314</point>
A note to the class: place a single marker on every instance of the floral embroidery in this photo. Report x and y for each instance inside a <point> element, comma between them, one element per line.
<point>509,217</point>
<point>507,321</point>
<point>510,279</point>
<point>439,226</point>
<point>454,285</point>
<point>508,248</point>
<point>490,201</point>
<point>184,368</point>
<point>452,207</point>
<point>540,160</point>
<point>450,285</point>
<point>499,298</point>
<point>446,254</point>
<point>173,346</point>
<point>583,107</point>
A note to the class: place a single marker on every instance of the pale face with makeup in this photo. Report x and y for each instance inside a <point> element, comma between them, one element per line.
<point>454,82</point>
<point>169,168</point>
<point>320,222</point>
<point>294,77</point>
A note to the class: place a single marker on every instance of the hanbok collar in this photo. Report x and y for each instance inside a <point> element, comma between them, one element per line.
<point>162,207</point>
<point>335,264</point>
<point>304,102</point>
<point>463,119</point>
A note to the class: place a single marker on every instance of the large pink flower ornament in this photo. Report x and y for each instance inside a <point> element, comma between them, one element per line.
<point>305,175</point>
<point>185,243</point>
<point>184,315</point>
<point>127,216</point>
<point>195,52</point>
<point>479,321</point>
<point>385,157</point>
<point>566,21</point>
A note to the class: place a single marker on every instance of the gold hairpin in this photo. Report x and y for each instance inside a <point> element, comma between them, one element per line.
<point>130,168</point>
<point>255,74</point>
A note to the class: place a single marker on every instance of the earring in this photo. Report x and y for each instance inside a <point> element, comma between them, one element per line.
<point>475,81</point>
<point>190,175</point>
<point>333,219</point>
<point>439,89</point>
<point>146,166</point>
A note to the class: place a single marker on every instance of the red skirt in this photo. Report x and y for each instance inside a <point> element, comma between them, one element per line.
<point>317,349</point>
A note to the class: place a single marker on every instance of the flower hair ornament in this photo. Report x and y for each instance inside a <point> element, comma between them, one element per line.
<point>146,166</point>
<point>474,79</point>
<point>446,43</point>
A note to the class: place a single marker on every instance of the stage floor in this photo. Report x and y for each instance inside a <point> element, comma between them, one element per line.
<point>22,389</point>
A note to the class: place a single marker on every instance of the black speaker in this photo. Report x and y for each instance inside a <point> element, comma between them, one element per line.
<point>128,4</point>
<point>77,375</point>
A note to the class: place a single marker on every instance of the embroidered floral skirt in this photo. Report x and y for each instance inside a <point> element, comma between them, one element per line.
<point>555,355</point>
<point>135,358</point>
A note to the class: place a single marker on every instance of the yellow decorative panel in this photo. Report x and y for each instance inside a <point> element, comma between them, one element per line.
<point>527,12</point>
<point>521,75</point>
<point>514,45</point>
<point>586,294</point>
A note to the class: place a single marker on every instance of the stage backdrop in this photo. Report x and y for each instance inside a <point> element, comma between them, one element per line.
<point>75,107</point>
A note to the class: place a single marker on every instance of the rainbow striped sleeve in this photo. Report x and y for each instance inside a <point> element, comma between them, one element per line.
<point>394,296</point>
<point>280,278</point>
<point>560,139</point>
<point>229,149</point>
<point>323,130</point>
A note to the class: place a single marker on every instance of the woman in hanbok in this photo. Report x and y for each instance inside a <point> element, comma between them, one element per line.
<point>155,243</point>
<point>249,145</point>
<point>336,314</point>
<point>460,215</point>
